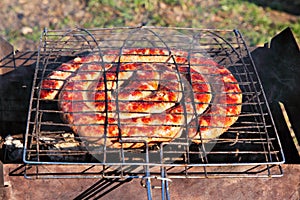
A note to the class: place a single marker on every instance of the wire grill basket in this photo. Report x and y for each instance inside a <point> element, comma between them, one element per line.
<point>250,147</point>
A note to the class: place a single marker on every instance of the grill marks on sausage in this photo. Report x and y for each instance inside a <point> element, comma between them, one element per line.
<point>140,94</point>
<point>225,106</point>
<point>144,93</point>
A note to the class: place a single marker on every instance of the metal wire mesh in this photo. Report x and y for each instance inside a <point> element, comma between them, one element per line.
<point>250,147</point>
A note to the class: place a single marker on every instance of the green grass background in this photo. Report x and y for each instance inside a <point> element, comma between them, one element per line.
<point>257,22</point>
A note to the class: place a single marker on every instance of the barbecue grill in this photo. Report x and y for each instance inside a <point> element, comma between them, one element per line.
<point>249,148</point>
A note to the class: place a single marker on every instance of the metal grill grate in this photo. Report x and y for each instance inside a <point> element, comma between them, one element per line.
<point>250,147</point>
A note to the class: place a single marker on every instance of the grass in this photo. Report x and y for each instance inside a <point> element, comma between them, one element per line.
<point>253,21</point>
<point>256,23</point>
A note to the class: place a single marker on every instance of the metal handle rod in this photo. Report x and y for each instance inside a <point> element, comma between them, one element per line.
<point>164,185</point>
<point>149,188</point>
<point>147,173</point>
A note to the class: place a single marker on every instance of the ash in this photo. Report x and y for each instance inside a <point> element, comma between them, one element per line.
<point>13,149</point>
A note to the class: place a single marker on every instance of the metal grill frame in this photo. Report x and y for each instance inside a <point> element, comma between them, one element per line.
<point>226,47</point>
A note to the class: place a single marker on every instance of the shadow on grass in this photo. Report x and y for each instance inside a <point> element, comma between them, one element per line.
<point>289,6</point>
